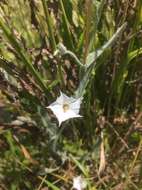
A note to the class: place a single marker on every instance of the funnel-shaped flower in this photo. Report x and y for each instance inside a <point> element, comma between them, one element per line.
<point>79,183</point>
<point>65,107</point>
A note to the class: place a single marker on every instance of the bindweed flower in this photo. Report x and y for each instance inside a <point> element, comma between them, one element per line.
<point>79,183</point>
<point>65,107</point>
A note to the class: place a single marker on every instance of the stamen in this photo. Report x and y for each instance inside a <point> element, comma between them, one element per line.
<point>66,107</point>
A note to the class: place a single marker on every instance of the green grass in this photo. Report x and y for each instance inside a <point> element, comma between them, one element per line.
<point>90,49</point>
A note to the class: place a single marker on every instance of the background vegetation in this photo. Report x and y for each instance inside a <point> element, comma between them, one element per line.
<point>89,48</point>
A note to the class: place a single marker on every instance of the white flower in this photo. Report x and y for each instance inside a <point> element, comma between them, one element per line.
<point>79,183</point>
<point>65,107</point>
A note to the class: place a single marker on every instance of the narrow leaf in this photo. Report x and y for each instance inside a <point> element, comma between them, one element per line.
<point>93,56</point>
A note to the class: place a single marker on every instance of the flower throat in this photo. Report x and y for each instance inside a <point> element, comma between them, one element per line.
<point>66,107</point>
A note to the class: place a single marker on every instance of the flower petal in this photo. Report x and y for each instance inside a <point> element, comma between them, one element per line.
<point>56,109</point>
<point>79,183</point>
<point>67,99</point>
<point>60,99</point>
<point>75,106</point>
<point>63,116</point>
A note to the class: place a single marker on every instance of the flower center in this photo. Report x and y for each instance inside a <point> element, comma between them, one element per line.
<point>66,107</point>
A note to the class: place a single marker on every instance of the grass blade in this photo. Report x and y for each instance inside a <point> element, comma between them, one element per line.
<point>22,54</point>
<point>66,25</point>
<point>49,24</point>
<point>93,56</point>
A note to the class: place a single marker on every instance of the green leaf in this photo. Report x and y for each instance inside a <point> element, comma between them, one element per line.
<point>84,82</point>
<point>66,26</point>
<point>79,165</point>
<point>93,56</point>
<point>51,185</point>
<point>134,54</point>
<point>49,24</point>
